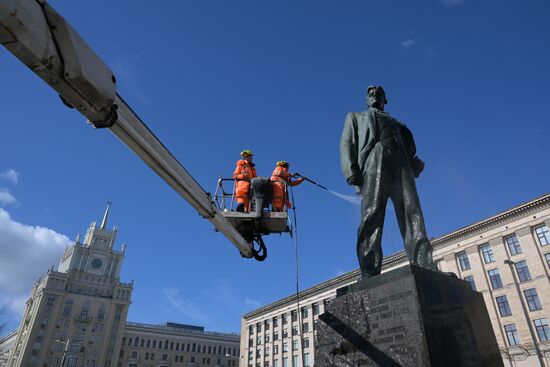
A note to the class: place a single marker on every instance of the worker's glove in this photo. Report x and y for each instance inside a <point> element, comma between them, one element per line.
<point>417,166</point>
<point>355,180</point>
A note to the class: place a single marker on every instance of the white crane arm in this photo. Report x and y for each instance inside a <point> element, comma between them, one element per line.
<point>40,38</point>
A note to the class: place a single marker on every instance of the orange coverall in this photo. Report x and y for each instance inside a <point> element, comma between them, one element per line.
<point>280,178</point>
<point>244,172</point>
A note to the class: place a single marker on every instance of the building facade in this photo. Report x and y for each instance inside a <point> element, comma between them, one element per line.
<point>505,257</point>
<point>173,344</point>
<point>76,317</point>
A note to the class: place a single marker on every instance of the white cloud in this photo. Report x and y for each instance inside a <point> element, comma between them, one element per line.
<point>10,175</point>
<point>251,304</point>
<point>451,3</point>
<point>6,197</point>
<point>406,44</point>
<point>222,293</point>
<point>126,76</point>
<point>189,309</point>
<point>27,253</point>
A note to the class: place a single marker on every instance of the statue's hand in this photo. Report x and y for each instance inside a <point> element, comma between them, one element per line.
<point>417,166</point>
<point>355,180</point>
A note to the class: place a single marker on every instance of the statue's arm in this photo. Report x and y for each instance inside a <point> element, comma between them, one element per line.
<point>349,150</point>
<point>417,164</point>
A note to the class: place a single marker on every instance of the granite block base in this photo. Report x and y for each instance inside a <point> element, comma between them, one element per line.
<point>407,317</point>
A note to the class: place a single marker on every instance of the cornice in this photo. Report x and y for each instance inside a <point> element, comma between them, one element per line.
<point>494,221</point>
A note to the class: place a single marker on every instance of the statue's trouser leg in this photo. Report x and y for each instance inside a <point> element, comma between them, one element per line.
<point>373,209</point>
<point>410,218</point>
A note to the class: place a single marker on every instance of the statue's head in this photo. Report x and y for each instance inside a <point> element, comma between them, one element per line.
<point>376,97</point>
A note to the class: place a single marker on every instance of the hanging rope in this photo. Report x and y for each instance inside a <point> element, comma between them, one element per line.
<point>298,310</point>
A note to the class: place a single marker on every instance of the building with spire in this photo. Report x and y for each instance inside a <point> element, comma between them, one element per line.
<point>76,317</point>
<point>76,314</point>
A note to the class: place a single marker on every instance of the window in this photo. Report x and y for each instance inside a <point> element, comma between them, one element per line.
<point>294,330</point>
<point>251,330</point>
<point>285,319</point>
<point>285,333</point>
<point>487,252</point>
<point>101,311</point>
<point>285,347</point>
<point>285,362</point>
<point>259,327</point>
<point>85,310</point>
<point>275,349</point>
<point>266,325</point>
<point>275,335</point>
<point>494,276</point>
<point>463,260</point>
<point>512,334</point>
<point>307,362</point>
<point>275,363</point>
<point>305,327</point>
<point>542,329</point>
<point>543,234</point>
<point>49,305</point>
<point>295,345</point>
<point>305,312</point>
<point>68,307</point>
<point>503,306</point>
<point>306,342</point>
<point>266,351</point>
<point>532,299</point>
<point>513,244</point>
<point>547,257</point>
<point>470,280</point>
<point>259,340</point>
<point>294,316</point>
<point>266,338</point>
<point>275,321</point>
<point>315,308</point>
<point>294,361</point>
<point>134,354</point>
<point>523,271</point>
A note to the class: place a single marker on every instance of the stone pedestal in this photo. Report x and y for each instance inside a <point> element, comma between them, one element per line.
<point>407,317</point>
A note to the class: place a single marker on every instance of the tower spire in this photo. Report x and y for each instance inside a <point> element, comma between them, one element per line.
<point>104,221</point>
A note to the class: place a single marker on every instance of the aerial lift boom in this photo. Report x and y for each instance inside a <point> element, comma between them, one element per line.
<point>44,41</point>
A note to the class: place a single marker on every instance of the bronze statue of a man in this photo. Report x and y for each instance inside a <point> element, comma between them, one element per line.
<point>378,156</point>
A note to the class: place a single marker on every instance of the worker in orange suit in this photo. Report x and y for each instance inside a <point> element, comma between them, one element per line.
<point>244,172</point>
<point>280,178</point>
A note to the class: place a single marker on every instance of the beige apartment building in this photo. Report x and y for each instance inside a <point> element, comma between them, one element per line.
<point>76,317</point>
<point>505,257</point>
<point>173,344</point>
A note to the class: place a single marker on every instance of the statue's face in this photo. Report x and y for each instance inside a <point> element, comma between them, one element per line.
<point>376,97</point>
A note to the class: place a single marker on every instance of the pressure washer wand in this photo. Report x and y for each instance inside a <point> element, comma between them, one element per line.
<point>311,181</point>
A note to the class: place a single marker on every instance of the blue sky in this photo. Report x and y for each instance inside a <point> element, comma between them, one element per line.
<point>210,78</point>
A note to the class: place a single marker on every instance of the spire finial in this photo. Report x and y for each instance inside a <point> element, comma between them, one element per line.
<point>104,222</point>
